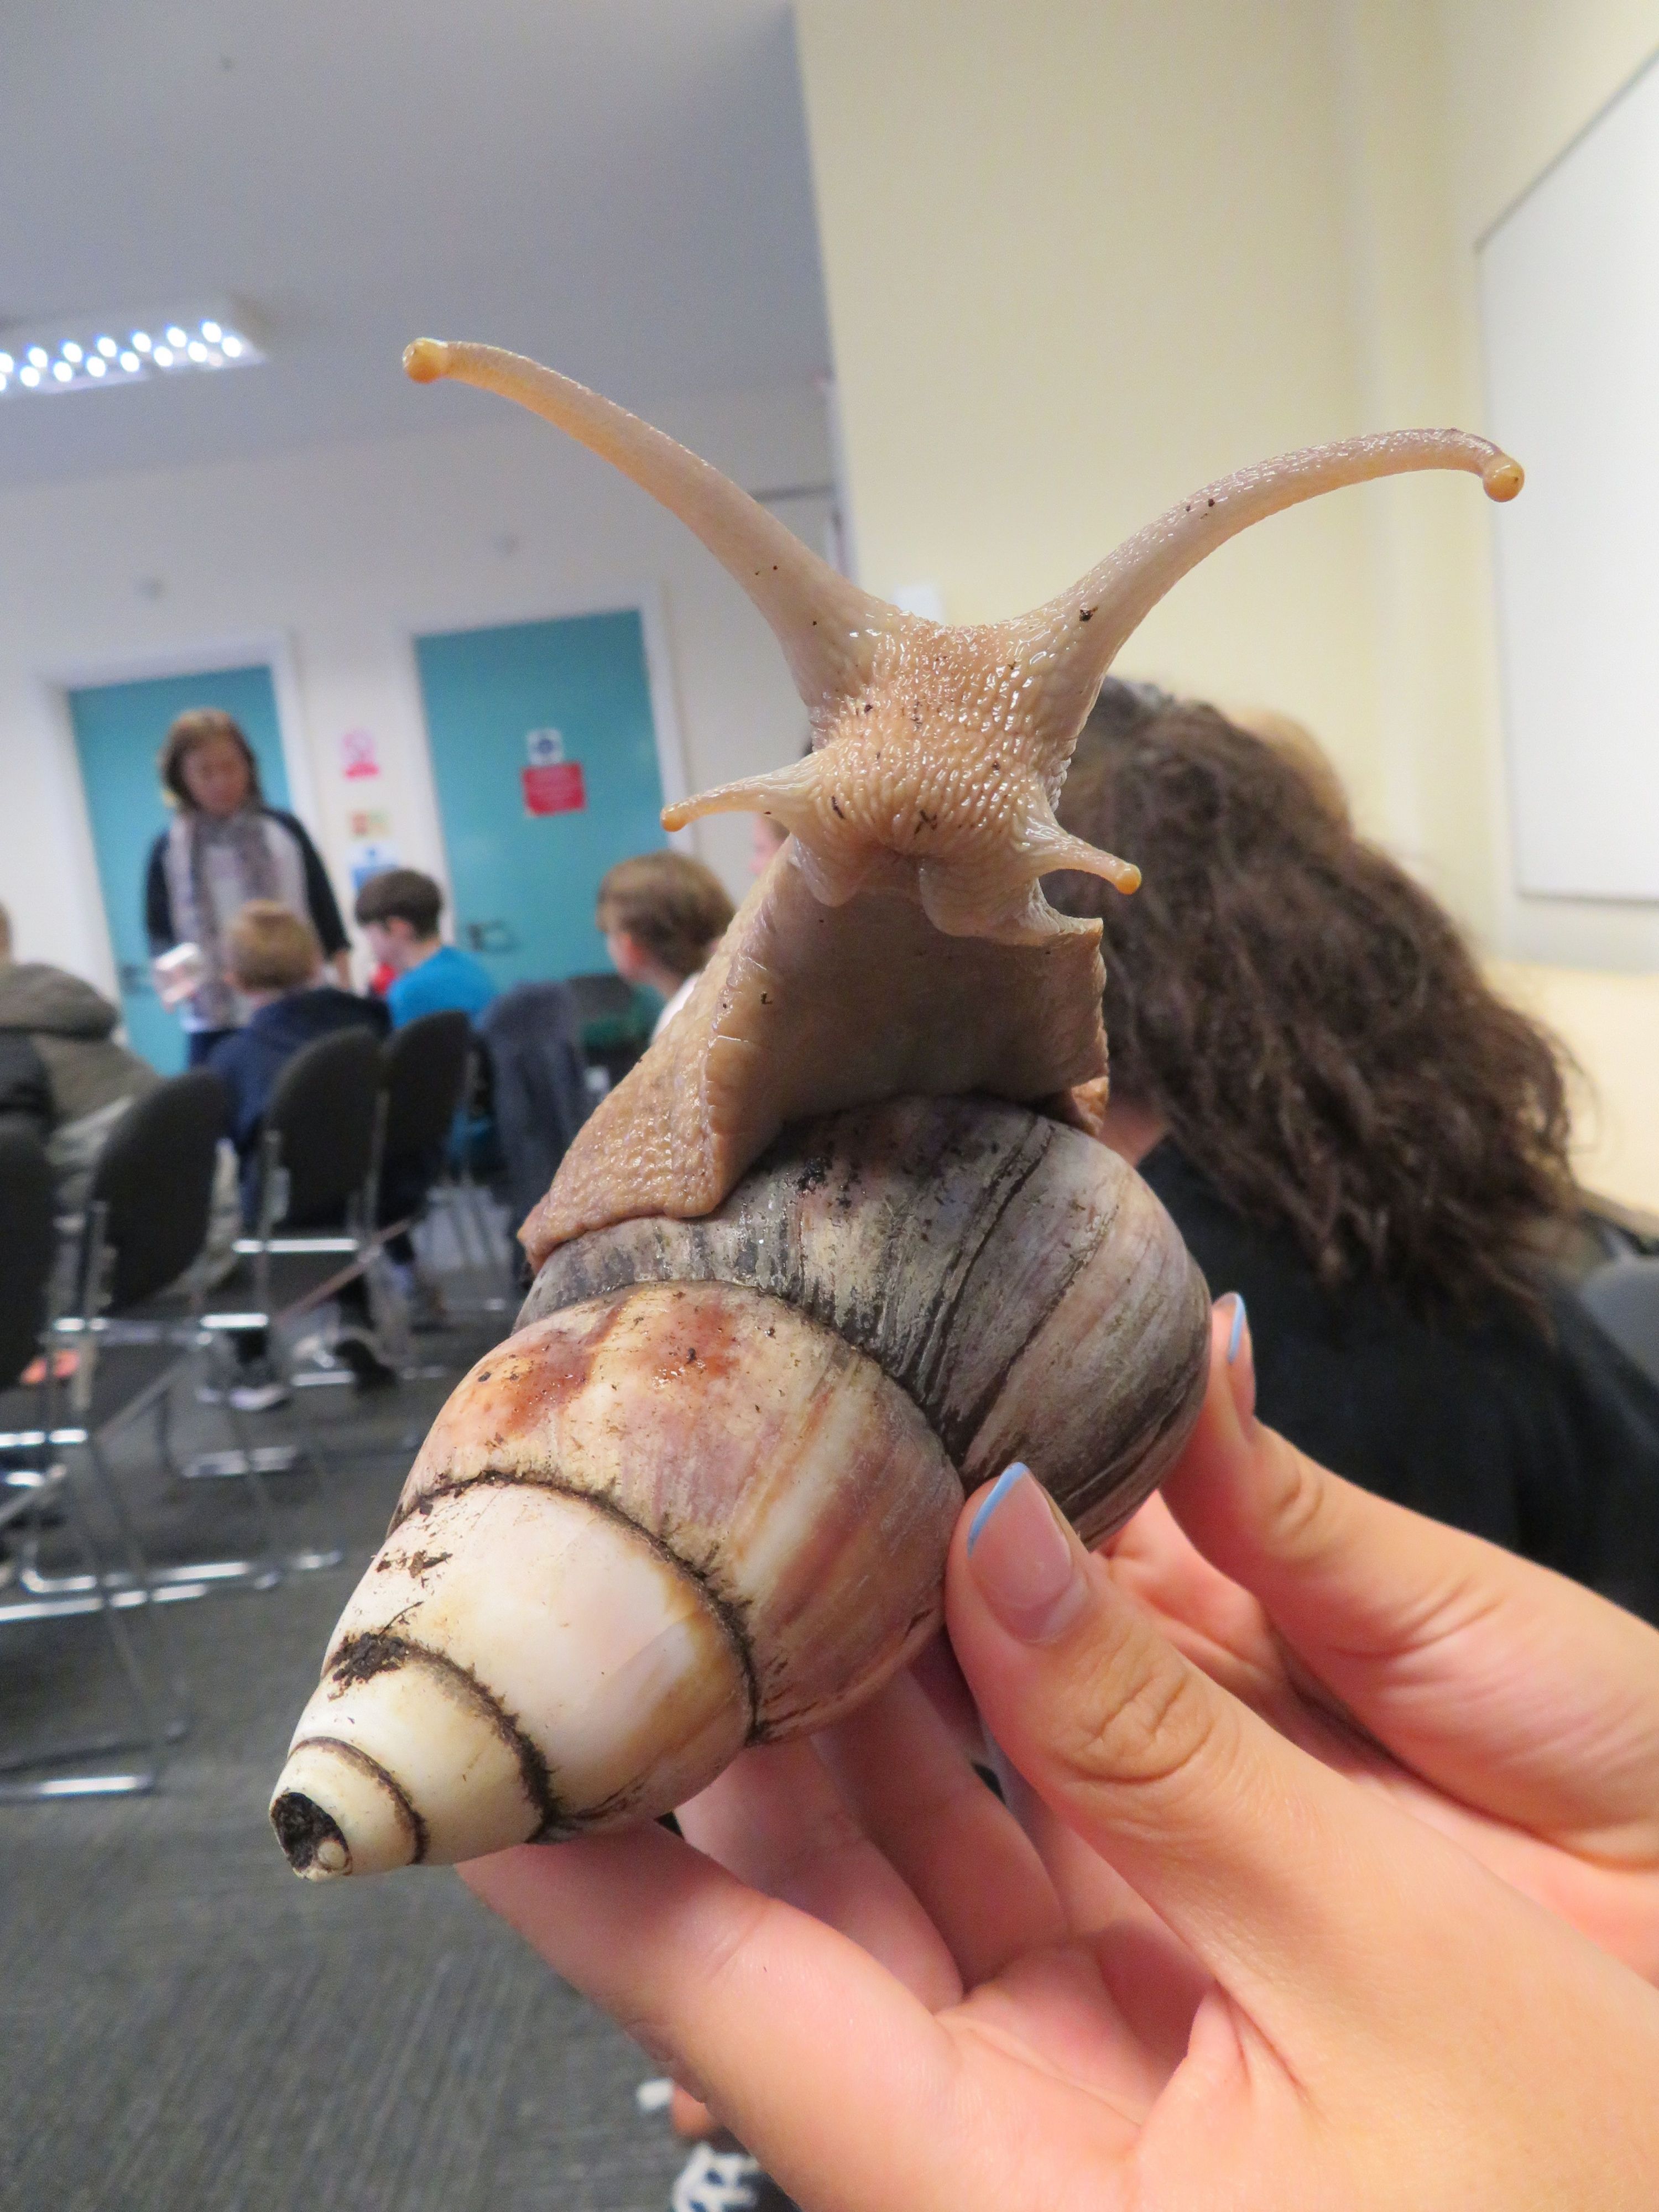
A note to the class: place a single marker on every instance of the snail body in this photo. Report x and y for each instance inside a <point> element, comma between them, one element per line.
<point>702,1497</point>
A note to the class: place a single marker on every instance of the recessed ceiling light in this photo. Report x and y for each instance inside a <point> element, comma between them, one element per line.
<point>211,338</point>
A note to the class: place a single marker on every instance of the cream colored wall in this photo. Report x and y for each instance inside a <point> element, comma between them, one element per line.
<point>1081,254</point>
<point>1524,78</point>
<point>1080,258</point>
<point>1610,1025</point>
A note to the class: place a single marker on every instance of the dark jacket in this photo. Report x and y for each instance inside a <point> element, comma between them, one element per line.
<point>1548,1444</point>
<point>249,1060</point>
<point>538,1082</point>
<point>58,1060</point>
<point>319,894</point>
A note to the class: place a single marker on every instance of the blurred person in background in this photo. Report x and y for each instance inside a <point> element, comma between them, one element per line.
<point>1351,1130</point>
<point>224,848</point>
<point>661,915</point>
<point>63,1076</point>
<point>397,911</point>
<point>274,961</point>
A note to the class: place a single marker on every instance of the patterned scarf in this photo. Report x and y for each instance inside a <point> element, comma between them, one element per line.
<point>213,866</point>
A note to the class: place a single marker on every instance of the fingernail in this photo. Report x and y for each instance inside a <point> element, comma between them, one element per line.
<point>1236,1334</point>
<point>1026,1562</point>
<point>1240,1363</point>
<point>999,1490</point>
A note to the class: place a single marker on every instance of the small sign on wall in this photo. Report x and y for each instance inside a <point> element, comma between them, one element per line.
<point>552,784</point>
<point>369,856</point>
<point>555,788</point>
<point>358,757</point>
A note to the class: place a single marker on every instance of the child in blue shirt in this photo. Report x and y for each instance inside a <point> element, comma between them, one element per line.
<point>398,912</point>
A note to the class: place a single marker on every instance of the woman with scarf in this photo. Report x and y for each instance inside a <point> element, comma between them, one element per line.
<point>223,848</point>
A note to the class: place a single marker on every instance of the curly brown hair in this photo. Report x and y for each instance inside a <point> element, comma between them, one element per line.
<point>1307,1021</point>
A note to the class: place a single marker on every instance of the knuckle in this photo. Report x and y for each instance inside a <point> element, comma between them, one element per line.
<point>1149,1722</point>
<point>1299,1506</point>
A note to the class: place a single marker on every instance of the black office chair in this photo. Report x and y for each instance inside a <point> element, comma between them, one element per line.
<point>424,1069</point>
<point>34,1476</point>
<point>318,1141</point>
<point>433,1069</point>
<point>314,1197</point>
<point>153,1180</point>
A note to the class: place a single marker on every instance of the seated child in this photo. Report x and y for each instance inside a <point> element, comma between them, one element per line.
<point>661,915</point>
<point>398,912</point>
<point>276,962</point>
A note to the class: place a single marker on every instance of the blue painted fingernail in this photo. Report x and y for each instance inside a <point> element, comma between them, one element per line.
<point>1236,1333</point>
<point>1003,1483</point>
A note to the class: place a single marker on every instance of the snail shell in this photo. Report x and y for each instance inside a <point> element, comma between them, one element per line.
<point>702,1497</point>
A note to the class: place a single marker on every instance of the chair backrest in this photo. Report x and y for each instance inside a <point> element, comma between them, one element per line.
<point>1623,1297</point>
<point>155,1180</point>
<point>28,1239</point>
<point>425,1075</point>
<point>322,1107</point>
<point>541,1096</point>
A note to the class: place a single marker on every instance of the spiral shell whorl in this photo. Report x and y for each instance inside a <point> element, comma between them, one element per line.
<point>1015,1278</point>
<point>646,1529</point>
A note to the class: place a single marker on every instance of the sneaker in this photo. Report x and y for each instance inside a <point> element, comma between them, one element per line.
<point>725,2181</point>
<point>258,1397</point>
<point>353,1350</point>
<point>422,1297</point>
<point>254,1387</point>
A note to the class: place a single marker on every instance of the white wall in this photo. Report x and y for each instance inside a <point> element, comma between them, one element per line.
<point>341,553</point>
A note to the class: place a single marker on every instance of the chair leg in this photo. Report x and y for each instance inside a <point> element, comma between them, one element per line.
<point>152,1734</point>
<point>252,1463</point>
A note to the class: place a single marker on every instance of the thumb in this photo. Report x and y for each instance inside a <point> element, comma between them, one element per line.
<point>1522,1693</point>
<point>1288,1884</point>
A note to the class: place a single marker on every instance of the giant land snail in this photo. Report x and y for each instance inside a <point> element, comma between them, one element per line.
<point>829,1252</point>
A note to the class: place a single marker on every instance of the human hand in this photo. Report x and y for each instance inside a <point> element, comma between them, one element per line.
<point>1503,1704</point>
<point>1214,1970</point>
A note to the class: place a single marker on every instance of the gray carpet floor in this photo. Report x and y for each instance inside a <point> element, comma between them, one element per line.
<point>186,2028</point>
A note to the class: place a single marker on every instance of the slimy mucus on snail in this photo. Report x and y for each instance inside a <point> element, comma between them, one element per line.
<point>829,1253</point>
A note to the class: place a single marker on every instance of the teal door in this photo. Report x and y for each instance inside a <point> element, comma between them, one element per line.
<point>544,755</point>
<point>119,729</point>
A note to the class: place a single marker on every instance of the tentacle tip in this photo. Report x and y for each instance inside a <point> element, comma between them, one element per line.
<point>678,816</point>
<point>1502,478</point>
<point>1129,881</point>
<point>426,360</point>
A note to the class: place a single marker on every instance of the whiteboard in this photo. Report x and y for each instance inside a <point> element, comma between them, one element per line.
<point>1570,307</point>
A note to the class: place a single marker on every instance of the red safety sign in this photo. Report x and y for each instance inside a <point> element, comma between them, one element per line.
<point>555,788</point>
